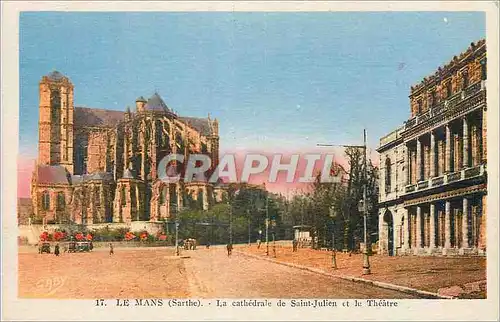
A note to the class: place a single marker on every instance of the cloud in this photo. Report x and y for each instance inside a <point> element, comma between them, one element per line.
<point>25,166</point>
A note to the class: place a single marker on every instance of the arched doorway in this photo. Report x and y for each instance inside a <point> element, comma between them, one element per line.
<point>388,220</point>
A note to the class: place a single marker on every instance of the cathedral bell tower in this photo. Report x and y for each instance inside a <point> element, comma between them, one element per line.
<point>55,137</point>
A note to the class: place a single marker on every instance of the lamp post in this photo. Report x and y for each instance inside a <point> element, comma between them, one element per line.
<point>231,218</point>
<point>274,243</point>
<point>333,215</point>
<point>249,229</point>
<point>174,205</point>
<point>176,237</point>
<point>267,225</point>
<point>363,206</point>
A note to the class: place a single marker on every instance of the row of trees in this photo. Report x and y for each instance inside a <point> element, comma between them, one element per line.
<point>332,210</point>
<point>329,209</point>
<point>247,206</point>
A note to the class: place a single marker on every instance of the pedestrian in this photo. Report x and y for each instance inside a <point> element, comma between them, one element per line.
<point>208,245</point>
<point>229,249</point>
<point>294,245</point>
<point>111,251</point>
<point>56,249</point>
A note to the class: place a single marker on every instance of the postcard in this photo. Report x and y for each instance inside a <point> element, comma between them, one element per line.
<point>250,160</point>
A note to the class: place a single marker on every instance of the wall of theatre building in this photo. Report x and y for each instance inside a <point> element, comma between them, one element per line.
<point>438,163</point>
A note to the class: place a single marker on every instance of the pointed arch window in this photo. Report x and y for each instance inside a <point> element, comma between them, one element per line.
<point>483,68</point>
<point>123,196</point>
<point>163,195</point>
<point>97,196</point>
<point>45,200</point>
<point>61,201</point>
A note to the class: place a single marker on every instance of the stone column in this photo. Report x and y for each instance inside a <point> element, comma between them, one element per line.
<point>102,204</point>
<point>125,150</point>
<point>153,150</point>
<point>433,155</point>
<point>474,145</point>
<point>432,227</point>
<point>137,199</point>
<point>427,162</point>
<point>448,149</point>
<point>118,203</point>
<point>143,154</point>
<point>418,223</point>
<point>407,230</point>
<point>465,138</point>
<point>447,225</point>
<point>408,165</point>
<point>457,153</point>
<point>484,137</point>
<point>482,225</point>
<point>465,223</point>
<point>419,161</point>
<point>404,229</point>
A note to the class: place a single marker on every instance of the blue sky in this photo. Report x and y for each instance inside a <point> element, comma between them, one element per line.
<point>274,80</point>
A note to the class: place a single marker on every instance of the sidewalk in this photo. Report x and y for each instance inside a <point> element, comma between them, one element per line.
<point>462,277</point>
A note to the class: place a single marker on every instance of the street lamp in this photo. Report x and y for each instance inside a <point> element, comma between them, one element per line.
<point>176,237</point>
<point>363,206</point>
<point>174,205</point>
<point>273,224</point>
<point>231,218</point>
<point>249,228</point>
<point>333,215</point>
<point>230,223</point>
<point>267,225</point>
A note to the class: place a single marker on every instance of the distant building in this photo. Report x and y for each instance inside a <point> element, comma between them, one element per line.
<point>100,166</point>
<point>433,169</point>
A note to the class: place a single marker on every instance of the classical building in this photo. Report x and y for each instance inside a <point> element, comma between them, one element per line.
<point>433,169</point>
<point>100,166</point>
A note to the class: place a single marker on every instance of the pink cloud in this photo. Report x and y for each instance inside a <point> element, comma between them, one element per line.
<point>25,165</point>
<point>281,185</point>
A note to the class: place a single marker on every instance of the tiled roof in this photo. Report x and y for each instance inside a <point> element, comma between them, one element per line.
<point>105,176</point>
<point>85,116</point>
<point>55,76</point>
<point>52,174</point>
<point>200,124</point>
<point>128,174</point>
<point>156,103</point>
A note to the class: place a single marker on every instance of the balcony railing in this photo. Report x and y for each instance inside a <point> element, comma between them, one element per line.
<point>410,188</point>
<point>455,176</point>
<point>473,89</point>
<point>472,172</point>
<point>423,184</point>
<point>450,104</point>
<point>469,173</point>
<point>437,181</point>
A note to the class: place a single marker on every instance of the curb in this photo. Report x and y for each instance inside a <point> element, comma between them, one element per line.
<point>389,286</point>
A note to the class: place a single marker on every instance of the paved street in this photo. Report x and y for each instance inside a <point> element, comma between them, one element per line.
<point>211,274</point>
<point>156,273</point>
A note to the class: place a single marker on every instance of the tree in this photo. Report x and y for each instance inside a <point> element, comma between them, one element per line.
<point>333,207</point>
